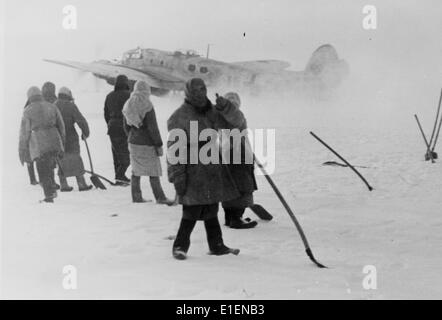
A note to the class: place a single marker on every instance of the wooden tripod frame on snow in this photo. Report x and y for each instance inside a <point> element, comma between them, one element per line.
<point>431,155</point>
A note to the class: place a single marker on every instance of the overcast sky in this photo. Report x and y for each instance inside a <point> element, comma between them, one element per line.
<point>397,66</point>
<point>408,34</point>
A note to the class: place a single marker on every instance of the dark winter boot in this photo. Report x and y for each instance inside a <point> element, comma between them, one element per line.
<point>182,241</point>
<point>52,177</point>
<point>137,196</point>
<point>222,249</point>
<point>122,181</point>
<point>49,191</point>
<point>82,185</point>
<point>234,219</point>
<point>31,173</point>
<point>45,171</point>
<point>215,239</point>
<point>158,192</point>
<point>179,254</point>
<point>240,223</point>
<point>121,176</point>
<point>64,186</point>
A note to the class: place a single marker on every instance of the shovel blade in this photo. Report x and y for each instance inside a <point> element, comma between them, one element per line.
<point>261,212</point>
<point>97,182</point>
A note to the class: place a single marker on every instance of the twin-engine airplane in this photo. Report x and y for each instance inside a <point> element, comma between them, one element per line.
<point>169,71</point>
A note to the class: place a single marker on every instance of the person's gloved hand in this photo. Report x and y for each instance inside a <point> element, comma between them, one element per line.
<point>180,184</point>
<point>159,151</point>
<point>83,137</point>
<point>221,102</point>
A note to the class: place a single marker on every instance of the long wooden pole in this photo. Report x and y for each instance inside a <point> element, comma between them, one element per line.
<point>370,188</point>
<point>429,153</point>
<point>291,214</point>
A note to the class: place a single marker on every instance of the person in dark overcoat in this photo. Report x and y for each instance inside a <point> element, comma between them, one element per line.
<point>242,171</point>
<point>113,116</point>
<point>72,164</point>
<point>200,185</point>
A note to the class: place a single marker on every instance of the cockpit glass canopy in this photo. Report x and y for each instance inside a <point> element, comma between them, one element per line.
<point>133,54</point>
<point>186,52</point>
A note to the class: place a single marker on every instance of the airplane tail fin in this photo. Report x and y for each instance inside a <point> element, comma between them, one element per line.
<point>325,64</point>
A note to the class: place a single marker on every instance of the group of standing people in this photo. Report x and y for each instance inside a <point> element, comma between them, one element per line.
<point>202,187</point>
<point>48,137</point>
<point>135,138</point>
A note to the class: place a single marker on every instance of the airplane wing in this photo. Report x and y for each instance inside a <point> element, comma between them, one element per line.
<point>109,70</point>
<point>263,65</point>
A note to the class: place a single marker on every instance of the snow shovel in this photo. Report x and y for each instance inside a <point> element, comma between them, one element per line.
<point>101,177</point>
<point>261,212</point>
<point>94,178</point>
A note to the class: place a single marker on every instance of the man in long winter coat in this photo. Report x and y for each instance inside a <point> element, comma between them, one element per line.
<point>243,170</point>
<point>71,164</point>
<point>113,115</point>
<point>200,187</point>
<point>29,163</point>
<point>48,92</point>
<point>42,134</point>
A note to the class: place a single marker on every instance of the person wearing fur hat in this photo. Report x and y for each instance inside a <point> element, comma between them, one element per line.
<point>42,134</point>
<point>242,172</point>
<point>29,163</point>
<point>71,165</point>
<point>200,186</point>
<point>48,92</point>
<point>113,116</point>
<point>145,143</point>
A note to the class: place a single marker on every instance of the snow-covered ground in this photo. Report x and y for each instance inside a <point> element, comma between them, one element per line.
<point>122,250</point>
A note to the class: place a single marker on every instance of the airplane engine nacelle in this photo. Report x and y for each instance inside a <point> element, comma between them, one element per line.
<point>159,92</point>
<point>110,81</point>
<point>155,91</point>
<point>326,65</point>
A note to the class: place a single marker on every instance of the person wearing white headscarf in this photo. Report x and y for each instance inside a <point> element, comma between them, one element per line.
<point>145,143</point>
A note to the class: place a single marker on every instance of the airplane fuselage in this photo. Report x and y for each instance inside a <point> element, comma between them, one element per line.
<point>168,71</point>
<point>189,65</point>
